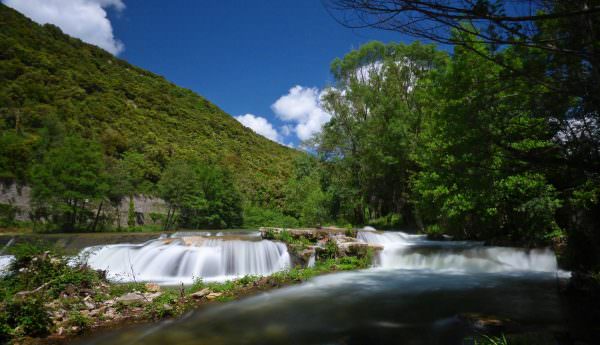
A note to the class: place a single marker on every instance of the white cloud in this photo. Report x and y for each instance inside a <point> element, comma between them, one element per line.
<point>84,19</point>
<point>286,130</point>
<point>260,125</point>
<point>302,106</point>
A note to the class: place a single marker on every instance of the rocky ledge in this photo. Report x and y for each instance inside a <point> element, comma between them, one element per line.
<point>307,243</point>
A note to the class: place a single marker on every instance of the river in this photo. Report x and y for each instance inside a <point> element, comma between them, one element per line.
<point>419,292</point>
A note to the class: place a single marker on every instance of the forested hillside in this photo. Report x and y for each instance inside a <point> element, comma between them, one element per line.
<point>53,86</point>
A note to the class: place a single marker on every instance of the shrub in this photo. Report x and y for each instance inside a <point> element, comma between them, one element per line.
<point>255,217</point>
<point>8,215</point>
<point>163,306</point>
<point>77,319</point>
<point>28,315</point>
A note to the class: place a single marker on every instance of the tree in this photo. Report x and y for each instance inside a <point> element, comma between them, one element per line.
<point>68,182</point>
<point>307,197</point>
<point>200,196</point>
<point>516,23</point>
<point>127,178</point>
<point>376,107</point>
<point>483,159</point>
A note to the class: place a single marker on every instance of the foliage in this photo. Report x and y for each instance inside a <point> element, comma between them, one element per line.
<point>389,221</point>
<point>52,86</point>
<point>255,217</point>
<point>68,182</point>
<point>377,115</point>
<point>79,320</point>
<point>8,215</point>
<point>476,178</point>
<point>131,221</point>
<point>203,196</point>
<point>486,340</point>
<point>27,315</point>
<point>163,306</point>
<point>306,195</point>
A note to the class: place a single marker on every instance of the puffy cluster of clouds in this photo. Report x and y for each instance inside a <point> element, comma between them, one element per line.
<point>301,111</point>
<point>84,19</point>
<point>259,125</point>
<point>302,107</point>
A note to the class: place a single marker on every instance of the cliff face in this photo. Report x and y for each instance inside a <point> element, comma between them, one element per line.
<point>148,210</point>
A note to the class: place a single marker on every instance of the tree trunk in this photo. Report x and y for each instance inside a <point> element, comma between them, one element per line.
<point>97,216</point>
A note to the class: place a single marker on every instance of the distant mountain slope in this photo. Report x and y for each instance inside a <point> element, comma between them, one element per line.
<point>52,82</point>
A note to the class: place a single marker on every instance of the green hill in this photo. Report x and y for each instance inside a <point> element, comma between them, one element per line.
<point>52,83</point>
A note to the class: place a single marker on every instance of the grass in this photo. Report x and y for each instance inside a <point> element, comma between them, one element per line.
<point>487,340</point>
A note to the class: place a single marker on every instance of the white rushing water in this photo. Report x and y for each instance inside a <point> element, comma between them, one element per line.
<point>401,250</point>
<point>178,261</point>
<point>213,256</point>
<point>5,261</point>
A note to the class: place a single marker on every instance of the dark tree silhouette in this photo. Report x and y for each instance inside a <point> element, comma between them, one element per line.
<point>499,22</point>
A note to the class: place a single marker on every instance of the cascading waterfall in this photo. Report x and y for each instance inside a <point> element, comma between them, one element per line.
<point>175,261</point>
<point>401,250</point>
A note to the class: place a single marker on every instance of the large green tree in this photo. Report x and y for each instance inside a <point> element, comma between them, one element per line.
<point>69,183</point>
<point>200,196</point>
<point>483,154</point>
<point>377,116</point>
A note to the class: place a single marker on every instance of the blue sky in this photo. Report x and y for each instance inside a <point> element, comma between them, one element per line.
<point>263,61</point>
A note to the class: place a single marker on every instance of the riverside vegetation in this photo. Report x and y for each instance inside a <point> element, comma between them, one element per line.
<point>46,295</point>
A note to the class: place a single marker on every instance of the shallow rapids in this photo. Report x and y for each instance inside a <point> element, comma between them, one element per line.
<point>184,257</point>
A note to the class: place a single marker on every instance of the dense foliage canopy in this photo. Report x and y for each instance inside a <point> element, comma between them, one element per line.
<point>53,85</point>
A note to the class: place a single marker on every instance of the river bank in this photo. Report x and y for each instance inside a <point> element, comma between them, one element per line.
<point>50,298</point>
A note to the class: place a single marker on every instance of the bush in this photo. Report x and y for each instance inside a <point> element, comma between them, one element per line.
<point>28,315</point>
<point>330,251</point>
<point>163,306</point>
<point>255,217</point>
<point>391,221</point>
<point>79,320</point>
<point>8,215</point>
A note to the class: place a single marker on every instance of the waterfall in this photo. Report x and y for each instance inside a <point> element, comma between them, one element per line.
<point>174,261</point>
<point>5,261</point>
<point>389,237</point>
<point>407,251</point>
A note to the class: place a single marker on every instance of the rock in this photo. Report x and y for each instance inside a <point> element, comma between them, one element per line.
<point>213,295</point>
<point>60,331</point>
<point>98,311</point>
<point>201,293</point>
<point>152,287</point>
<point>89,305</point>
<point>151,296</point>
<point>167,307</point>
<point>131,298</point>
<point>59,314</point>
<point>110,313</point>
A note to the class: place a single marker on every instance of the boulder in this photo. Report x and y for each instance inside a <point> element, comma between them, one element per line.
<point>213,295</point>
<point>89,305</point>
<point>200,294</point>
<point>131,298</point>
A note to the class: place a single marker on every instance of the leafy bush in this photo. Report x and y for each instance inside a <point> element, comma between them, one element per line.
<point>163,306</point>
<point>8,214</point>
<point>77,319</point>
<point>255,217</point>
<point>28,314</point>
<point>390,221</point>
